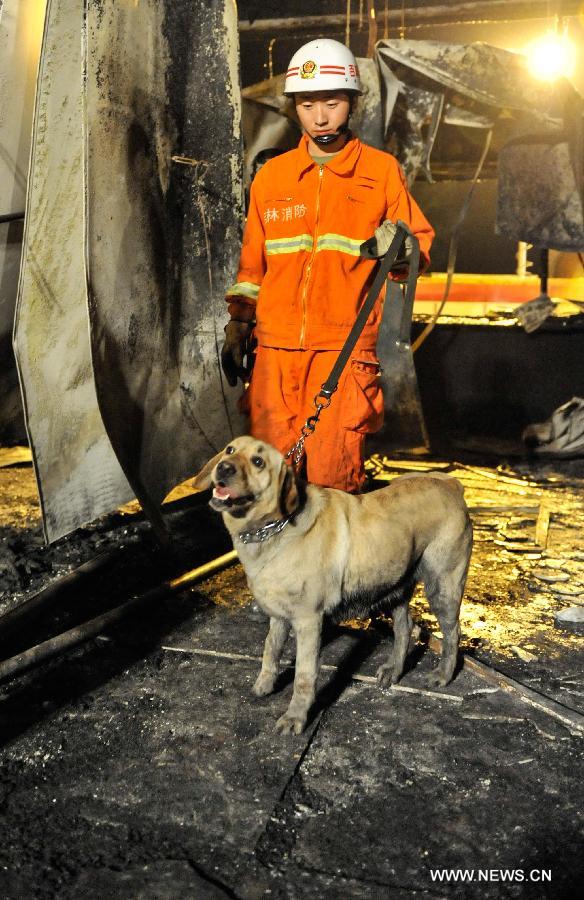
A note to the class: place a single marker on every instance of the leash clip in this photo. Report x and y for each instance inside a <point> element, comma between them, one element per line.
<point>297,451</point>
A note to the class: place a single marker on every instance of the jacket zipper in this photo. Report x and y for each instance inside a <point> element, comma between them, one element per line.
<point>309,266</point>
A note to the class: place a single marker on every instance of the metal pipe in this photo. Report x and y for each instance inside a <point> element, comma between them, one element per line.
<point>48,598</point>
<point>420,16</point>
<point>82,633</point>
<point>11,217</point>
<point>571,718</point>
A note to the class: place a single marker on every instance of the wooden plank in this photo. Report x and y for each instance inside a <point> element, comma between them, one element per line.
<point>571,719</point>
<point>542,526</point>
<point>287,664</point>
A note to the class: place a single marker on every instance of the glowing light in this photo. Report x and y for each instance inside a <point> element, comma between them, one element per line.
<point>552,56</point>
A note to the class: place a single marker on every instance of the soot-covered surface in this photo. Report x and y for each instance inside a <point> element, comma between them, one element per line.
<point>163,181</point>
<point>140,766</point>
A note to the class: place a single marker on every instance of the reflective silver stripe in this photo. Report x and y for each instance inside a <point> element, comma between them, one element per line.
<point>339,242</point>
<point>244,289</point>
<point>289,245</point>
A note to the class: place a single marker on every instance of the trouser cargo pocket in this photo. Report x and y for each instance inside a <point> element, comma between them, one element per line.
<point>363,398</point>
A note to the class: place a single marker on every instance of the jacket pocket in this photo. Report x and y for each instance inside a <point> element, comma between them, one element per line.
<point>364,406</point>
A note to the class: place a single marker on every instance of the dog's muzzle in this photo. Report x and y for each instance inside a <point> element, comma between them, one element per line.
<point>224,496</point>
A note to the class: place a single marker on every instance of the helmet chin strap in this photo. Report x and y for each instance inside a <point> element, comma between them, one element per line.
<point>324,139</point>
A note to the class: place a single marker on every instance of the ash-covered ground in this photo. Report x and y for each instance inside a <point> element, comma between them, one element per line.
<point>140,766</point>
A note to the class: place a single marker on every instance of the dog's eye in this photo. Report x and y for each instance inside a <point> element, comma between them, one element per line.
<point>229,450</point>
<point>258,462</point>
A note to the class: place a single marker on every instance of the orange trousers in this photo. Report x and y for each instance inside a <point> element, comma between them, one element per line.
<point>280,398</point>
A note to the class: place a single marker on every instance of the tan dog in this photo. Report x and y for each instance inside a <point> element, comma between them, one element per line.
<point>310,552</point>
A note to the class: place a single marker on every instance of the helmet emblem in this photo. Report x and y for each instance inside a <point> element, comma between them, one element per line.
<point>308,69</point>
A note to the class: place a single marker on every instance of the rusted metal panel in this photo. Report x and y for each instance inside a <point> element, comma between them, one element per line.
<point>78,475</point>
<point>21,28</point>
<point>163,236</point>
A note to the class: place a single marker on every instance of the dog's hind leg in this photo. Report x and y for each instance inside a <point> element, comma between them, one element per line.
<point>308,632</point>
<point>391,672</point>
<point>277,636</point>
<point>450,629</point>
<point>444,592</point>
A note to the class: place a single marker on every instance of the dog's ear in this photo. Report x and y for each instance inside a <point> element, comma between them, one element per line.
<point>202,481</point>
<point>289,496</point>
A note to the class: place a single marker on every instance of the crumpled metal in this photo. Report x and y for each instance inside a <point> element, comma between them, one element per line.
<point>562,434</point>
<point>538,130</point>
<point>120,356</point>
<point>78,475</point>
<point>164,219</point>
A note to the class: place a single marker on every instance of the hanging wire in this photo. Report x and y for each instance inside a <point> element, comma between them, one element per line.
<point>450,23</point>
<point>386,21</point>
<point>348,24</point>
<point>453,246</point>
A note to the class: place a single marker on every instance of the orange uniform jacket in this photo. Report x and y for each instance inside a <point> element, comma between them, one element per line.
<point>300,274</point>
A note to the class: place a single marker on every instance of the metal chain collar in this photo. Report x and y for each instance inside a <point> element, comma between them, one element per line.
<point>297,451</point>
<point>264,533</point>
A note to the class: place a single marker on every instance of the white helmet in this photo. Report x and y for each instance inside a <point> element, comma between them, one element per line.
<point>322,65</point>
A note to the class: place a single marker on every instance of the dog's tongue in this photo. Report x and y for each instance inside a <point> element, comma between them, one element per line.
<point>221,492</point>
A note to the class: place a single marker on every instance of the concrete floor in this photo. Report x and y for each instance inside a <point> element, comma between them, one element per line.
<point>140,766</point>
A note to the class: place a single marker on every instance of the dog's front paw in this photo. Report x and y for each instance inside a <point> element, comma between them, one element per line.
<point>264,685</point>
<point>290,724</point>
<point>386,676</point>
<point>437,679</point>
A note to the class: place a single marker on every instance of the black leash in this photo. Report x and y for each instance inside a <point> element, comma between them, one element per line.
<point>323,399</point>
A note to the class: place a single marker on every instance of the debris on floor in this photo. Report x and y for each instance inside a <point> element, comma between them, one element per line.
<point>140,765</point>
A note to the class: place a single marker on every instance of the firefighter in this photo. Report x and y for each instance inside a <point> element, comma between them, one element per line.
<point>301,278</point>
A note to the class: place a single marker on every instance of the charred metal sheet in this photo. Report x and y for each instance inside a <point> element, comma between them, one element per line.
<point>21,29</point>
<point>404,427</point>
<point>541,184</point>
<point>467,85</point>
<point>164,216</point>
<point>539,200</point>
<point>480,73</point>
<point>537,127</point>
<point>367,120</point>
<point>411,132</point>
<point>465,118</point>
<point>78,475</point>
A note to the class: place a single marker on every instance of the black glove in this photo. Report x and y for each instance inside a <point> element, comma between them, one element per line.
<point>238,344</point>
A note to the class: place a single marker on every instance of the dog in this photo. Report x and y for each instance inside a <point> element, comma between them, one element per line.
<point>310,552</point>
